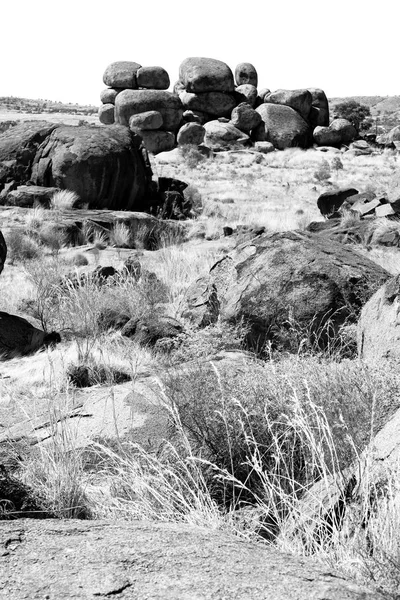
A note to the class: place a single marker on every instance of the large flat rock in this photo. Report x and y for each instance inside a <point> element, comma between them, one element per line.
<point>131,560</point>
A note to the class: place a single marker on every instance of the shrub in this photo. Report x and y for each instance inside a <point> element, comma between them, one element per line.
<point>191,155</point>
<point>64,200</point>
<point>120,236</point>
<point>21,247</point>
<point>354,112</point>
<point>233,414</point>
<point>193,196</point>
<point>323,172</point>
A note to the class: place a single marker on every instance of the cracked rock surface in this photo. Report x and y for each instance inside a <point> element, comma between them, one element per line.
<point>100,559</point>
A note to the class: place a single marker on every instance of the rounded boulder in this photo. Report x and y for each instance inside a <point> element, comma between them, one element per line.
<point>106,114</point>
<point>282,126</point>
<point>121,74</point>
<point>245,118</point>
<point>191,133</point>
<point>199,74</point>
<point>151,119</point>
<point>153,78</point>
<point>105,166</point>
<point>217,104</point>
<point>108,95</point>
<point>246,73</point>
<point>157,141</point>
<point>223,135</point>
<point>247,93</point>
<point>299,100</point>
<point>133,102</point>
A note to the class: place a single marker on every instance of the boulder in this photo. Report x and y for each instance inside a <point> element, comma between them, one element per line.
<point>200,74</point>
<point>18,337</point>
<point>347,131</point>
<point>299,100</point>
<point>361,148</point>
<point>3,251</point>
<point>378,333</point>
<point>339,132</point>
<point>245,73</point>
<point>28,196</point>
<point>282,126</point>
<point>150,331</point>
<point>108,96</point>
<point>155,78</point>
<point>217,104</point>
<point>121,74</point>
<point>196,116</point>
<point>330,202</point>
<point>107,114</point>
<point>247,93</point>
<point>319,114</point>
<point>325,136</point>
<point>261,95</point>
<point>223,135</point>
<point>157,141</point>
<point>279,279</point>
<point>106,166</point>
<point>18,148</point>
<point>178,88</point>
<point>393,135</point>
<point>191,133</point>
<point>245,118</point>
<point>151,119</point>
<point>133,102</point>
<point>264,147</point>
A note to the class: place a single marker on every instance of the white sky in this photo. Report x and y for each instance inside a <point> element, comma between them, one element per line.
<point>59,50</point>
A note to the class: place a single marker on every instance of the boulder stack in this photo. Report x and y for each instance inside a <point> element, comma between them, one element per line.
<point>229,106</point>
<point>137,97</point>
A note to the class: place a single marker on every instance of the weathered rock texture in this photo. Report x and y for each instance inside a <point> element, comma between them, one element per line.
<point>283,126</point>
<point>89,559</point>
<point>378,328</point>
<point>106,166</point>
<point>121,74</point>
<point>18,148</point>
<point>339,132</point>
<point>200,75</point>
<point>283,277</point>
<point>246,73</point>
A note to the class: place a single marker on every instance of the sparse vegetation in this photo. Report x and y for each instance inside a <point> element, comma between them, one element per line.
<point>242,435</point>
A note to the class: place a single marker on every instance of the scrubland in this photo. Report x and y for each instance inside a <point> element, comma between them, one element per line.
<point>246,443</point>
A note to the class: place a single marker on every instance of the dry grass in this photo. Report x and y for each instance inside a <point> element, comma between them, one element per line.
<point>258,436</point>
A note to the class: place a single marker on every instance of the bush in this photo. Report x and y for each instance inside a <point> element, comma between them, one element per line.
<point>354,112</point>
<point>235,415</point>
<point>21,247</point>
<point>192,156</point>
<point>323,172</point>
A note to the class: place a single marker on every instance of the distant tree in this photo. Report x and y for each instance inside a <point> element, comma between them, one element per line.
<point>358,114</point>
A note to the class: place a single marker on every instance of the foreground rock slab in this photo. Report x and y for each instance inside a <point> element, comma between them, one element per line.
<point>97,559</point>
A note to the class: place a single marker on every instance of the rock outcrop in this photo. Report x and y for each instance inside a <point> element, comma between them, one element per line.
<point>104,166</point>
<point>378,328</point>
<point>77,560</point>
<point>206,91</point>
